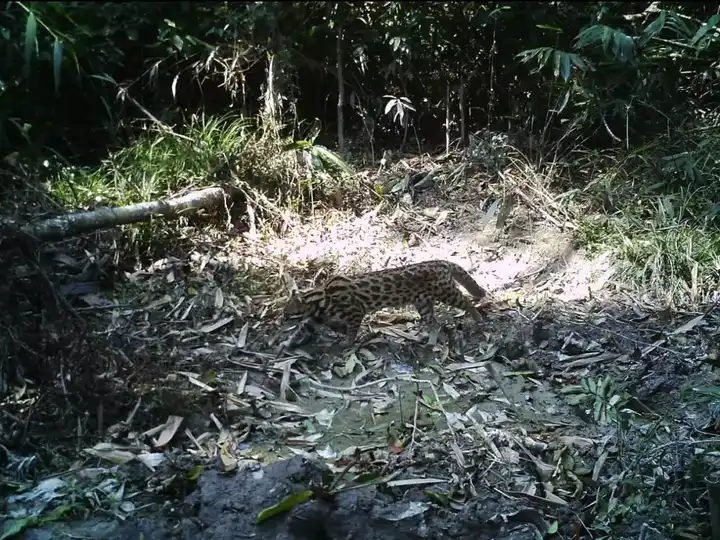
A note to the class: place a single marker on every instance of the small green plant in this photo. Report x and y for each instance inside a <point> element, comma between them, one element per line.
<point>17,526</point>
<point>601,395</point>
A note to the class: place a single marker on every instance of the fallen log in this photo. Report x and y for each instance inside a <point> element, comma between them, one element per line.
<point>60,227</point>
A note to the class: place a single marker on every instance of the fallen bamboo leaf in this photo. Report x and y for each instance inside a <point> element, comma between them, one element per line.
<point>171,426</point>
<point>241,384</point>
<point>208,328</point>
<point>692,323</point>
<point>464,366</point>
<point>219,298</point>
<point>350,362</point>
<point>108,453</point>
<point>242,337</point>
<point>151,460</point>
<point>589,360</point>
<point>325,417</point>
<point>327,452</point>
<point>417,482</point>
<point>450,391</point>
<point>216,421</point>
<point>285,380</point>
<point>192,378</point>
<point>288,407</point>
<point>305,440</point>
<point>398,333</point>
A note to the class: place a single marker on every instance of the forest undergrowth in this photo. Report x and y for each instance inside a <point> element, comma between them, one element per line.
<point>588,206</point>
<point>662,238</point>
<point>655,209</point>
<point>662,235</point>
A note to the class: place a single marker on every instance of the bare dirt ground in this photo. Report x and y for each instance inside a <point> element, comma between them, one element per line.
<point>566,401</point>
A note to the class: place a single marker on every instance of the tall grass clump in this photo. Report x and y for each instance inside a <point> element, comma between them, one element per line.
<point>657,209</point>
<point>247,154</point>
<point>162,163</point>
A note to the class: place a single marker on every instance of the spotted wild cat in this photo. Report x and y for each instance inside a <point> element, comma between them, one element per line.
<point>343,301</point>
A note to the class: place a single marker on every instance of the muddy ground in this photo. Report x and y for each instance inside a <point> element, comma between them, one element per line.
<point>570,410</point>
